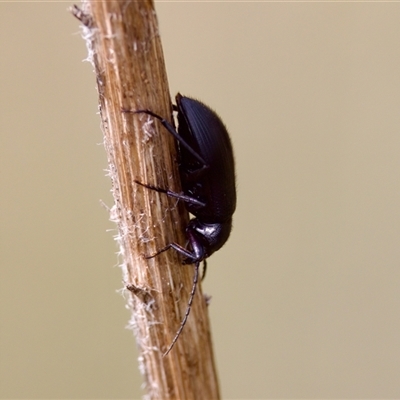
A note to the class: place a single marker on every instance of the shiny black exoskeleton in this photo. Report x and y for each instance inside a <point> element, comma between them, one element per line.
<point>207,171</point>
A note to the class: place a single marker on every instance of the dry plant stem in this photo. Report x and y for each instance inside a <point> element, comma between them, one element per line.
<point>125,48</point>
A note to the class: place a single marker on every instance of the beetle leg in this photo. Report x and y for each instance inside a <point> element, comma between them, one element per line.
<point>167,247</point>
<point>203,275</point>
<point>172,131</point>
<point>180,196</point>
<point>177,247</point>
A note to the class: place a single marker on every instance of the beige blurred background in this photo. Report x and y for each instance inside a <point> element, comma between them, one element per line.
<point>306,293</point>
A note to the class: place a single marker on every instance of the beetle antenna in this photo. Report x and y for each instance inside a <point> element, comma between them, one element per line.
<point>188,308</point>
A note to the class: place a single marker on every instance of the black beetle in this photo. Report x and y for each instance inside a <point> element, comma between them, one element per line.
<point>207,171</point>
